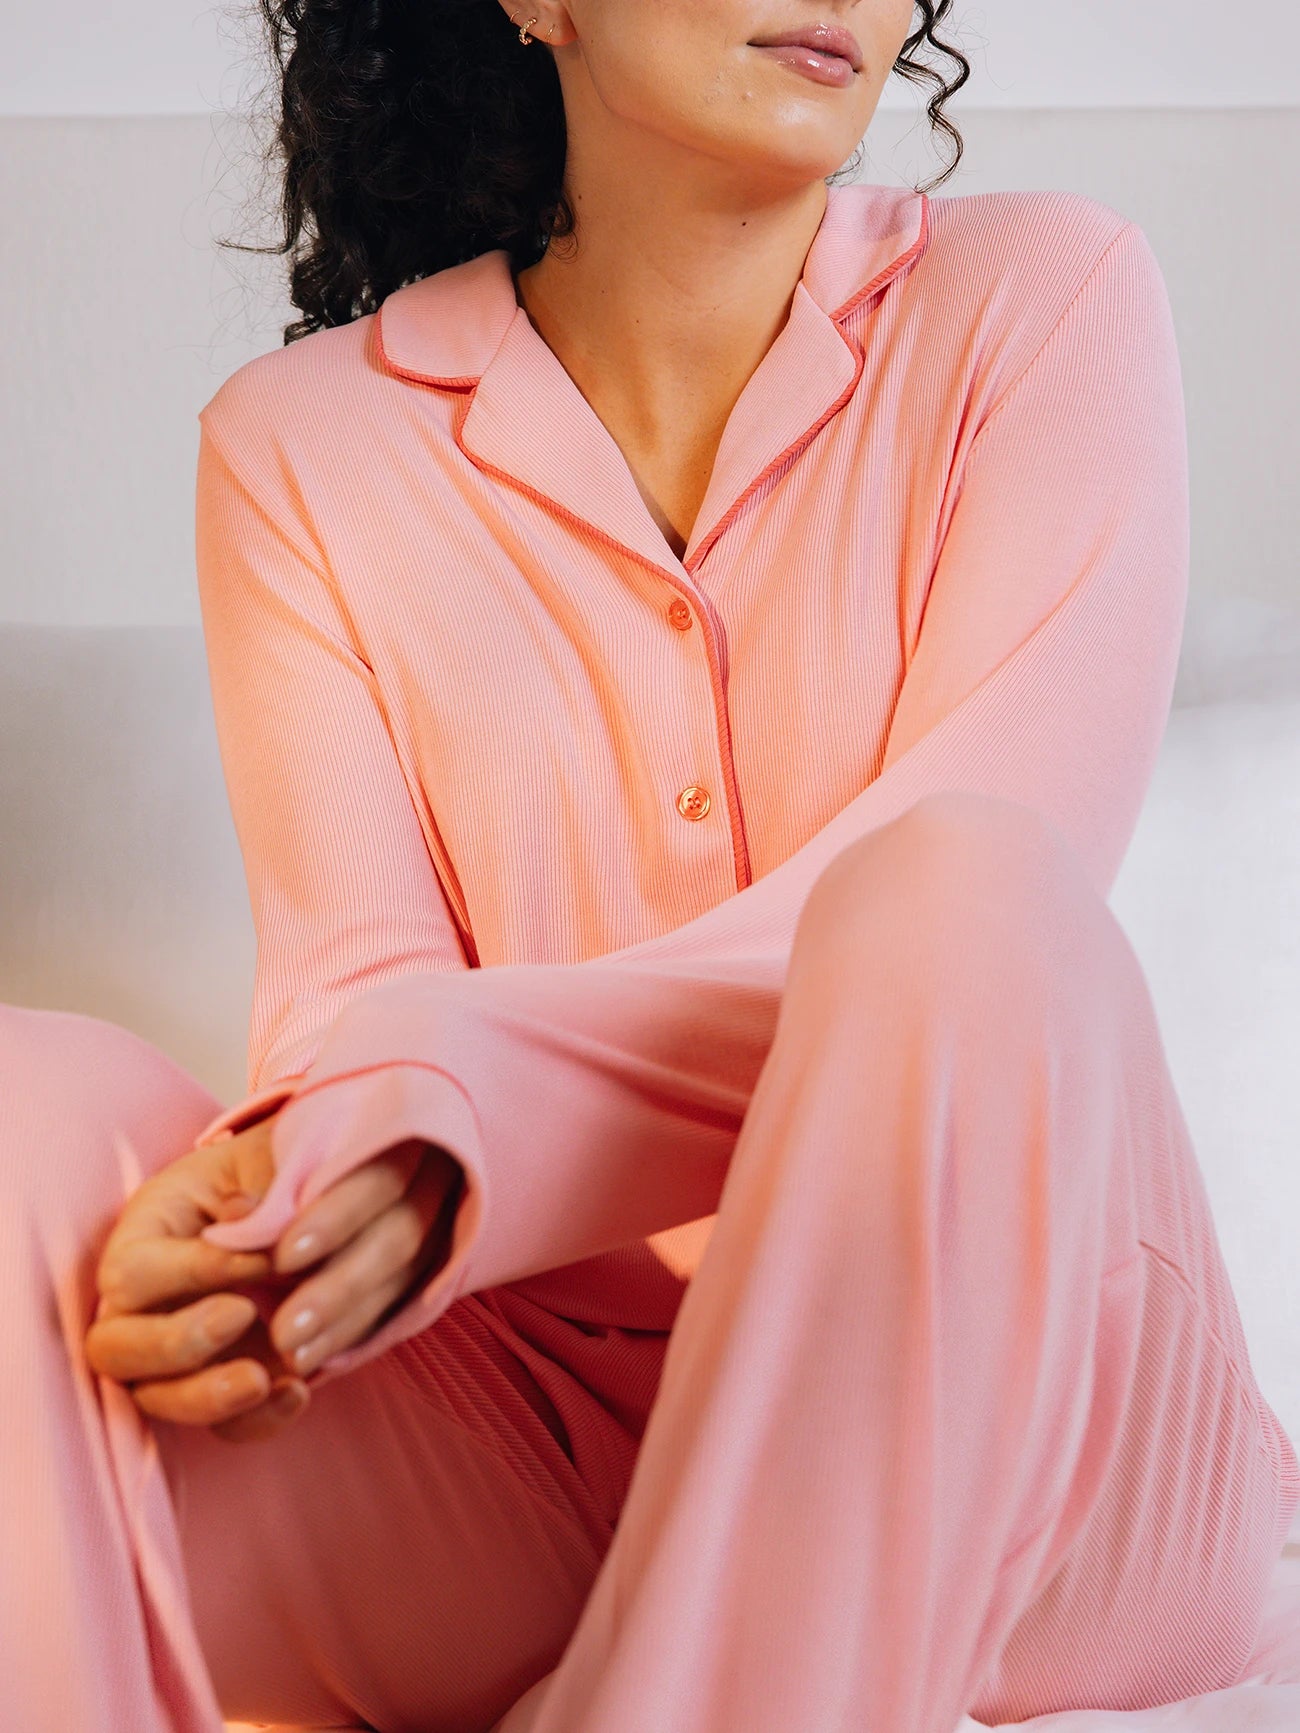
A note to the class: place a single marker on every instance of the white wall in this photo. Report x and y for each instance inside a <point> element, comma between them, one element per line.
<point>140,57</point>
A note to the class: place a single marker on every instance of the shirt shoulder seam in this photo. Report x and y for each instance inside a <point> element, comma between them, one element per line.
<point>1007,392</point>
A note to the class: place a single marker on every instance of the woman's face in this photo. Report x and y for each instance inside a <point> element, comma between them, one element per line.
<point>678,83</point>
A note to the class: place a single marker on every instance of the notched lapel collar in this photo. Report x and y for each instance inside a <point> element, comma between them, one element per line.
<point>462,329</point>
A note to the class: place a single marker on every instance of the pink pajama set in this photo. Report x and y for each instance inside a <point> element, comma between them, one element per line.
<point>835,1336</point>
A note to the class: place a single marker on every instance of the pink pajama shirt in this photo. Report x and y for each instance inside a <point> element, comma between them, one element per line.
<point>738,922</point>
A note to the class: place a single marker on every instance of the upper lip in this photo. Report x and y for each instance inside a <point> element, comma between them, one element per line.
<point>825,38</point>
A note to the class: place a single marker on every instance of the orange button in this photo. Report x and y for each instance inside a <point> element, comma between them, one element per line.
<point>693,802</point>
<point>679,614</point>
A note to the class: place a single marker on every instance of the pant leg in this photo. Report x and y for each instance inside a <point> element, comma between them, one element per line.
<point>1160,1596</point>
<point>93,1628</point>
<point>407,1555</point>
<point>414,1551</point>
<point>922,1349</point>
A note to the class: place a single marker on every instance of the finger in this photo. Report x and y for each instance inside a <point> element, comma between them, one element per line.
<point>162,1344</point>
<point>143,1271</point>
<point>138,1266</point>
<point>341,1212</point>
<point>340,1296</point>
<point>204,1398</point>
<point>220,1402</point>
<point>340,1303</point>
<point>285,1402</point>
<point>166,1202</point>
<point>352,1326</point>
<point>178,1200</point>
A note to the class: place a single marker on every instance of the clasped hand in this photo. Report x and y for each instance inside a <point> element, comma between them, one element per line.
<point>382,1230</point>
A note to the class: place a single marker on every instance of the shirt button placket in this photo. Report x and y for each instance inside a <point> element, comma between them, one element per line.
<point>694,800</point>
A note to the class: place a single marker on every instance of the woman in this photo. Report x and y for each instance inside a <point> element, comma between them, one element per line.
<point>684,698</point>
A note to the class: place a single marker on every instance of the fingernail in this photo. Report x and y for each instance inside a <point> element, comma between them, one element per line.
<point>301,1325</point>
<point>225,1311</point>
<point>288,1399</point>
<point>232,1384</point>
<point>304,1357</point>
<point>300,1250</point>
<point>236,1205</point>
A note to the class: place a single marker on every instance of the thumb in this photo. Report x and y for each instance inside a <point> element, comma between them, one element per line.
<point>256,1227</point>
<point>232,1208</point>
<point>244,1221</point>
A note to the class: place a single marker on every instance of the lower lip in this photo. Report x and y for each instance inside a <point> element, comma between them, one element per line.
<point>823,68</point>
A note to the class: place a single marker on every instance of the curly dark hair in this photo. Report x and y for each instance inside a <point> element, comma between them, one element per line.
<point>409,137</point>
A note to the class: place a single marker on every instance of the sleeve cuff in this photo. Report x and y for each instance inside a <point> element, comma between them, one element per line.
<point>331,1127</point>
<point>248,1111</point>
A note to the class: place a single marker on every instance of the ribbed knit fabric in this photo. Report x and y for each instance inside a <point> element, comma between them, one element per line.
<point>461,682</point>
<point>835,1333</point>
<point>468,697</point>
<point>945,545</point>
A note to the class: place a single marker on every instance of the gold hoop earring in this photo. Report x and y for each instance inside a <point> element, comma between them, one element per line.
<point>524,37</point>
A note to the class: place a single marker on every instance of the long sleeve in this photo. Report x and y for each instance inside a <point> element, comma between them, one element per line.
<point>341,883</point>
<point>596,1103</point>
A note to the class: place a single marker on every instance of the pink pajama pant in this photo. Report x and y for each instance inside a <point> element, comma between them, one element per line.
<point>956,1415</point>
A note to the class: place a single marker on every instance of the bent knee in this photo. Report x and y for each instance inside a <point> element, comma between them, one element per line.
<point>960,874</point>
<point>82,1095</point>
<point>959,837</point>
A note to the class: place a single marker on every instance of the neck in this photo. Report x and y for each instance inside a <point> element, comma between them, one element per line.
<point>657,302</point>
